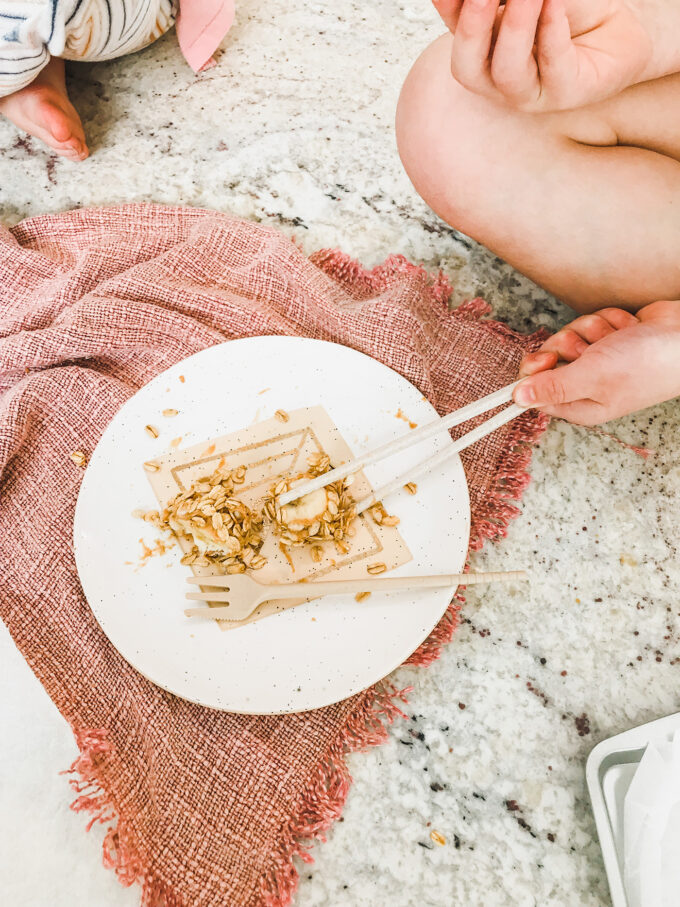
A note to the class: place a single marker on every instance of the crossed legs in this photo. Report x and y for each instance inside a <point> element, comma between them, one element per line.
<point>584,202</point>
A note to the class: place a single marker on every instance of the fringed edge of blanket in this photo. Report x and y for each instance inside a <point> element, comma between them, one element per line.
<point>324,797</point>
<point>120,849</point>
<point>321,804</point>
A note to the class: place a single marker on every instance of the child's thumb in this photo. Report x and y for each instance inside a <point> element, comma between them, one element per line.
<point>553,387</point>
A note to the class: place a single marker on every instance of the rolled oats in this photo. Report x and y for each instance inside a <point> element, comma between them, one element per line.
<point>324,515</point>
<point>376,568</point>
<point>225,531</point>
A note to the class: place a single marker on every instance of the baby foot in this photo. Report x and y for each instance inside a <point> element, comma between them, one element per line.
<point>43,109</point>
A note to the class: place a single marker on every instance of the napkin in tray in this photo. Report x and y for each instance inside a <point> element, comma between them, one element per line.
<point>651,828</point>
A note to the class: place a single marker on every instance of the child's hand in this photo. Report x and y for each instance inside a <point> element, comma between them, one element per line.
<point>541,55</point>
<point>618,363</point>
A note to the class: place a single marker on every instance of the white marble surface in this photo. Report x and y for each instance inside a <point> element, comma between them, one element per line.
<point>294,128</point>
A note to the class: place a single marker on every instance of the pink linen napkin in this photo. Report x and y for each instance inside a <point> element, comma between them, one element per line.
<point>203,808</point>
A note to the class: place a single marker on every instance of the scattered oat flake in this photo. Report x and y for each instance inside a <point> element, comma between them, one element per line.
<point>376,568</point>
<point>170,412</point>
<point>286,553</point>
<point>176,442</point>
<point>158,549</point>
<point>78,457</point>
<point>627,560</point>
<point>264,391</point>
<point>182,378</point>
<point>361,596</point>
<point>150,466</point>
<point>209,451</point>
<point>400,415</point>
<point>151,431</point>
<point>282,415</point>
<point>411,487</point>
<point>377,512</point>
<point>437,838</point>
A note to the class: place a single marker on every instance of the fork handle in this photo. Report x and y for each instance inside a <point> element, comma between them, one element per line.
<point>307,590</point>
<point>384,584</point>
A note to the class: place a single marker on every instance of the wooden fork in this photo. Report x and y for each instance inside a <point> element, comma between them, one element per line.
<point>243,594</point>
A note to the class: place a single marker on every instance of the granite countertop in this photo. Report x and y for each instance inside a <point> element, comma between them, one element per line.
<point>294,128</point>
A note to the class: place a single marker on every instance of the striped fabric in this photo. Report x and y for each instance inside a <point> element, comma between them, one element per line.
<point>31,31</point>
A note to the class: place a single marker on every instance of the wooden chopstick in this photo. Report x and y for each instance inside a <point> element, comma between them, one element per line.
<point>483,405</point>
<point>506,415</point>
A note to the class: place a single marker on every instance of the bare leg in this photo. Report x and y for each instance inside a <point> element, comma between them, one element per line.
<point>43,109</point>
<point>585,202</point>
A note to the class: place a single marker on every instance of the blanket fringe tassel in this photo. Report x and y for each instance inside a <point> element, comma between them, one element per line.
<point>119,848</point>
<point>324,798</point>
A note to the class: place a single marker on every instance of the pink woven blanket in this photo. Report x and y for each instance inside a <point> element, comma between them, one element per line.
<point>204,808</point>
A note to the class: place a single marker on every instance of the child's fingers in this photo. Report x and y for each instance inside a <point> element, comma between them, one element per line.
<point>563,392</point>
<point>449,10</point>
<point>537,362</point>
<point>618,318</point>
<point>567,345</point>
<point>555,52</point>
<point>580,412</point>
<point>555,387</point>
<point>591,327</point>
<point>574,339</point>
<point>663,312</point>
<point>472,43</point>
<point>513,65</point>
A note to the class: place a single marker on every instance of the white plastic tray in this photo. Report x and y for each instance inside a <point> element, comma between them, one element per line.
<point>609,772</point>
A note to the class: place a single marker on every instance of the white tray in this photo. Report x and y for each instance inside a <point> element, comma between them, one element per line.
<point>609,772</point>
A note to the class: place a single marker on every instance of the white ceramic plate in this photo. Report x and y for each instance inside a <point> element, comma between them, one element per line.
<point>285,663</point>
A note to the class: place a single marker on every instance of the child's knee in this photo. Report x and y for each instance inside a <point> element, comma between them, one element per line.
<point>418,115</point>
<point>439,129</point>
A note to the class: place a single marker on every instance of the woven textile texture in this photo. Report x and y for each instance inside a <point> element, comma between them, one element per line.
<point>204,808</point>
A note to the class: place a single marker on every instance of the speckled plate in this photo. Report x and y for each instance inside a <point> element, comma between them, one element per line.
<point>285,663</point>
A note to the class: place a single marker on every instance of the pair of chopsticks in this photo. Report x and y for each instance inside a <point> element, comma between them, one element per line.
<point>483,405</point>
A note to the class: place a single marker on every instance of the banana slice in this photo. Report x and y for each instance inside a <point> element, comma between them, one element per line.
<point>306,511</point>
<point>205,538</point>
